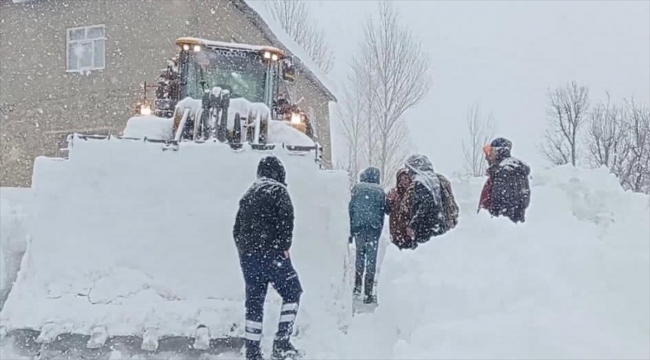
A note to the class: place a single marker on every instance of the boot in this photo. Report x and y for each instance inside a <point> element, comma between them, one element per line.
<point>370,300</point>
<point>254,353</point>
<point>284,350</point>
<point>357,286</point>
<point>369,290</point>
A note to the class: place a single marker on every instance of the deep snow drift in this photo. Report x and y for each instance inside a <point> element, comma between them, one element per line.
<point>128,236</point>
<point>14,204</point>
<point>572,282</point>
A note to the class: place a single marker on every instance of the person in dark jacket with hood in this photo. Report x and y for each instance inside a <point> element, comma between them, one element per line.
<point>506,191</point>
<point>367,210</point>
<point>263,235</point>
<point>423,201</point>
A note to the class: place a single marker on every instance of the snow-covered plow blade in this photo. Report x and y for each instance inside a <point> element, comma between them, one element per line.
<point>132,245</point>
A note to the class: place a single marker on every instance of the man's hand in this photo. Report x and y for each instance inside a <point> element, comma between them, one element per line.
<point>286,254</point>
<point>350,239</point>
<point>410,233</point>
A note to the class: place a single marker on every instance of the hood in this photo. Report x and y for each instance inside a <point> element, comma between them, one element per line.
<point>399,174</point>
<point>370,175</point>
<point>421,166</point>
<point>270,167</point>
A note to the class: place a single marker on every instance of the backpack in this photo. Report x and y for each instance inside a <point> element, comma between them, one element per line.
<point>449,206</point>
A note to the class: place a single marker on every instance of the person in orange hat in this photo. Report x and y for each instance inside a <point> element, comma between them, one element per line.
<point>506,191</point>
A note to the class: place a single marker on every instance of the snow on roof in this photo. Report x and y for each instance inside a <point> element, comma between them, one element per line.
<point>274,32</point>
<point>223,44</point>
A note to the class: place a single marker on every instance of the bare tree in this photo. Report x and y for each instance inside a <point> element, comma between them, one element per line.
<point>294,17</point>
<point>480,130</point>
<point>568,107</point>
<point>619,138</point>
<point>352,116</point>
<point>605,134</point>
<point>634,172</point>
<point>399,80</point>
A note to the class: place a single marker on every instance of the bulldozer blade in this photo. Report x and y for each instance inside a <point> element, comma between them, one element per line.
<point>299,148</point>
<point>98,337</point>
<point>150,340</point>
<point>263,146</point>
<point>73,346</point>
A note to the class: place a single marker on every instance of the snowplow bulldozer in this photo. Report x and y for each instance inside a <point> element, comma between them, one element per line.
<point>131,251</point>
<point>228,92</point>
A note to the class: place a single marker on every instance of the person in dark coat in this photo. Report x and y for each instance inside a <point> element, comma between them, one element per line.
<point>367,211</point>
<point>397,214</point>
<point>423,201</point>
<point>263,235</point>
<point>506,191</point>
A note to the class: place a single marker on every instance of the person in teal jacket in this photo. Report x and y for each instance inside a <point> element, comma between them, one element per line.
<point>367,210</point>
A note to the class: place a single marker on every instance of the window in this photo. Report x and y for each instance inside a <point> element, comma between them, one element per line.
<point>243,73</point>
<point>86,48</point>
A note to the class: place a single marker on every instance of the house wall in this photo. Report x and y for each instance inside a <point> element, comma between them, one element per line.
<point>40,103</point>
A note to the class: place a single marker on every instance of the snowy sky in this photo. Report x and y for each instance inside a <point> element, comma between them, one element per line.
<point>505,55</point>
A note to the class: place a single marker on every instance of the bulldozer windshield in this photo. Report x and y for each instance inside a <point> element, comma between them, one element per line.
<point>243,73</point>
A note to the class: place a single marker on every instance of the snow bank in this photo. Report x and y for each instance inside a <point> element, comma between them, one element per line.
<point>572,282</point>
<point>279,132</point>
<point>149,126</point>
<point>128,236</point>
<point>14,204</point>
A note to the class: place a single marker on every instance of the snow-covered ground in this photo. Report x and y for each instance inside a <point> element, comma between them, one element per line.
<point>572,282</point>
<point>14,204</point>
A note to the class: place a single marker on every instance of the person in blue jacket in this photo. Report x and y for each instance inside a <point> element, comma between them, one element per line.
<point>367,210</point>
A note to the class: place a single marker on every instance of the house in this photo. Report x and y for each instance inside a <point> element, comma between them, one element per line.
<point>48,89</point>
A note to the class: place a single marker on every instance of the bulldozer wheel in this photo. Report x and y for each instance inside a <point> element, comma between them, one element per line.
<point>222,124</point>
<point>236,131</point>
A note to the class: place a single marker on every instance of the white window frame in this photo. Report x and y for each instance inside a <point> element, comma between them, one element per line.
<point>69,42</point>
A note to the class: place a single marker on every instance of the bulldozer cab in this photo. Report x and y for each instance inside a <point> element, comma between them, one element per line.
<point>250,72</point>
<point>227,91</point>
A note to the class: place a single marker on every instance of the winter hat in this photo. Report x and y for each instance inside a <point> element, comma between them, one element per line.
<point>501,143</point>
<point>502,146</point>
<point>271,167</point>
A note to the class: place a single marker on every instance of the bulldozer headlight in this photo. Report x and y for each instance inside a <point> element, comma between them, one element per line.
<point>145,110</point>
<point>186,47</point>
<point>274,57</point>
<point>267,54</point>
<point>197,48</point>
<point>296,118</point>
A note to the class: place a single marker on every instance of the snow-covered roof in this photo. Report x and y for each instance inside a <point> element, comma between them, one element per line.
<point>223,44</point>
<point>258,15</point>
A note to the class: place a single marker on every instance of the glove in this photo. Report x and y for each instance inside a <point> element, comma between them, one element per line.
<point>350,239</point>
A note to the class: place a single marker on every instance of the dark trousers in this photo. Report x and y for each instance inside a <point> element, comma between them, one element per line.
<point>367,245</point>
<point>260,270</point>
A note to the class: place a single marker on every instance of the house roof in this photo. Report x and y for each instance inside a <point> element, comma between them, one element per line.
<point>258,15</point>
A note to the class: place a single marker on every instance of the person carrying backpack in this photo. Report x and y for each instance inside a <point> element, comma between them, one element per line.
<point>263,235</point>
<point>429,201</point>
<point>367,211</point>
<point>506,191</point>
